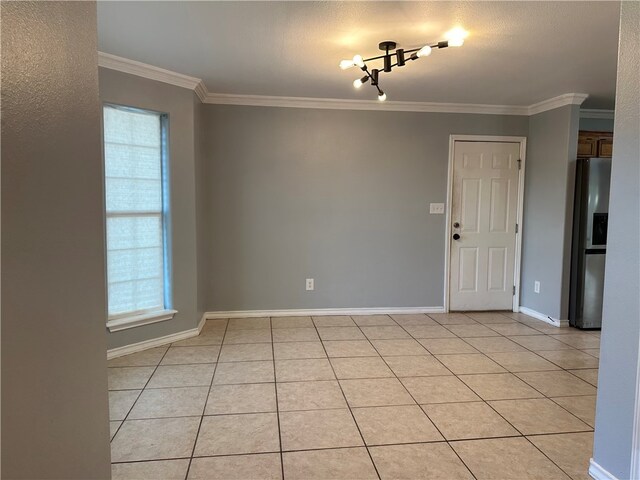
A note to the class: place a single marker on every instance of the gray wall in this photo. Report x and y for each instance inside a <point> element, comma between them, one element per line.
<point>54,371</point>
<point>548,207</point>
<point>596,124</point>
<point>339,196</point>
<point>621,327</point>
<point>179,103</point>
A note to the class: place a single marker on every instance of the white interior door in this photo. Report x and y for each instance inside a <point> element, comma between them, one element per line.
<point>483,225</point>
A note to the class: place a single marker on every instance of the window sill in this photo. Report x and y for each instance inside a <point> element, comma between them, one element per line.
<point>139,320</point>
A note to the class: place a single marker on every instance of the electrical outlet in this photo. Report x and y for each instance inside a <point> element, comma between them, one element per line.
<point>536,286</point>
<point>437,208</point>
<point>309,285</point>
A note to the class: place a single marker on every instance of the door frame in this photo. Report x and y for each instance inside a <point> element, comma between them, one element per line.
<point>519,214</point>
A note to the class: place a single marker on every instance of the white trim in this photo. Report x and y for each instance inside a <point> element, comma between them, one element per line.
<point>599,473</point>
<point>145,70</point>
<point>635,440</point>
<point>320,312</point>
<point>133,67</point>
<point>594,113</point>
<point>123,323</point>
<point>545,318</point>
<point>156,342</point>
<point>519,215</point>
<point>559,101</point>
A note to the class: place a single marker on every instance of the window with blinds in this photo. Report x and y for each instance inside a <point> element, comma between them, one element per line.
<point>135,213</point>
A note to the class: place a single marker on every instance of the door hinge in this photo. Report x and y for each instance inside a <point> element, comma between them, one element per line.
<point>519,163</point>
<point>516,228</point>
<point>514,289</point>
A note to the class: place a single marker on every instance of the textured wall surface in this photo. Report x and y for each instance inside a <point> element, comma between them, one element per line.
<point>617,384</point>
<point>179,104</point>
<point>335,195</point>
<point>54,371</point>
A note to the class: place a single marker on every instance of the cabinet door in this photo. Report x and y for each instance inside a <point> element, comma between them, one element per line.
<point>587,146</point>
<point>605,147</point>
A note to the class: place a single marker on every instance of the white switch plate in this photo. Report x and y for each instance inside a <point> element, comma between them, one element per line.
<point>536,286</point>
<point>309,285</point>
<point>437,208</point>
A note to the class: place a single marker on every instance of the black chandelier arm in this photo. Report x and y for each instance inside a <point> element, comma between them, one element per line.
<point>442,44</point>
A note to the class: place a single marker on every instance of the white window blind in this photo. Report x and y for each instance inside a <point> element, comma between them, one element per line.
<point>134,211</point>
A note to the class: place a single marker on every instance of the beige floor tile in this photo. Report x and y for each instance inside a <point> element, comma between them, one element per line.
<point>129,378</point>
<point>120,402</point>
<point>460,421</point>
<point>490,317</point>
<point>340,333</point>
<point>246,352</point>
<point>494,344</point>
<point>154,439</point>
<point>146,358</point>
<point>539,342</point>
<point>427,461</point>
<point>438,389</point>
<point>502,458</point>
<point>389,332</point>
<point>469,331</point>
<point>246,398</point>
<point>182,376</point>
<point>170,402</point>
<point>409,346</point>
<point>113,428</point>
<point>389,425</point>
<point>571,359</point>
<point>208,336</point>
<point>333,321</point>
<point>583,407</point>
<point>215,323</point>
<point>244,372</point>
<point>499,386</point>
<point>539,415</point>
<point>235,434</point>
<point>318,429</point>
<point>522,361</point>
<point>589,375</point>
<point>428,331</point>
<point>557,383</point>
<point>548,329</point>
<point>579,340</point>
<point>248,323</point>
<point>336,464</point>
<point>298,350</point>
<point>188,355</point>
<point>570,451</point>
<point>247,336</point>
<point>291,322</point>
<point>295,335</point>
<point>467,363</point>
<point>373,320</point>
<point>513,329</point>
<point>165,469</point>
<point>262,466</point>
<point>594,352</point>
<point>416,366</point>
<point>310,396</point>
<point>413,319</point>
<point>360,367</point>
<point>375,392</point>
<point>304,370</point>
<point>447,345</point>
<point>452,319</point>
<point>350,348</point>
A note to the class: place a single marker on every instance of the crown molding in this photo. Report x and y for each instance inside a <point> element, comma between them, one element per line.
<point>595,113</point>
<point>151,72</point>
<point>145,70</point>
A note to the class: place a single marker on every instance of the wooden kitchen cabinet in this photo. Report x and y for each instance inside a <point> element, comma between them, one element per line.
<point>594,144</point>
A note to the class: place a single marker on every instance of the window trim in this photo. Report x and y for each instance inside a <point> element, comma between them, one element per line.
<point>126,320</point>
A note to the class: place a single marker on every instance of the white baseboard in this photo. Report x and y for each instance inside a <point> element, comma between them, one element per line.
<point>321,311</point>
<point>156,342</point>
<point>599,473</point>
<point>545,318</point>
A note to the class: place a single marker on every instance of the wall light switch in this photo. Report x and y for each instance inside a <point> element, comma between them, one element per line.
<point>309,285</point>
<point>437,208</point>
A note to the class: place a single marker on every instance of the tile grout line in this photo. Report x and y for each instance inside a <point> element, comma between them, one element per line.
<point>275,387</point>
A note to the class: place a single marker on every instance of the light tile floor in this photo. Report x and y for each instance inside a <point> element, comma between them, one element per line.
<point>444,396</point>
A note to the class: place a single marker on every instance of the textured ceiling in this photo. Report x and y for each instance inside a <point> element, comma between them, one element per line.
<point>517,53</point>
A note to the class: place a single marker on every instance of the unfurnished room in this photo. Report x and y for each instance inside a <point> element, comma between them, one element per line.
<point>320,240</point>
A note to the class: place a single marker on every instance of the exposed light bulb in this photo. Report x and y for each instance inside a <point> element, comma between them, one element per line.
<point>424,51</point>
<point>382,96</point>
<point>357,60</point>
<point>357,83</point>
<point>344,64</point>
<point>456,36</point>
<point>456,42</point>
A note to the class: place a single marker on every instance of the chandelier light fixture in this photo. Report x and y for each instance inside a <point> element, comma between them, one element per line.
<point>399,56</point>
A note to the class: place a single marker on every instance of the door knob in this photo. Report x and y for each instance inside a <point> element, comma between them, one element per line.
<point>456,236</point>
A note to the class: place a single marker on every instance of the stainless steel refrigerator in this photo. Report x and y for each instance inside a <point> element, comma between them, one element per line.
<point>591,209</point>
